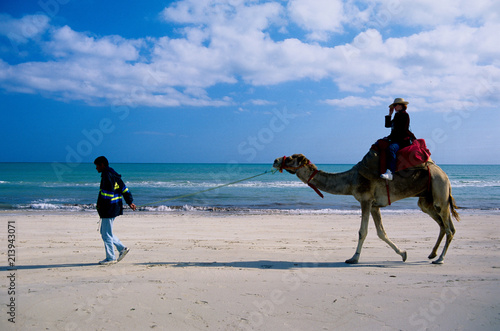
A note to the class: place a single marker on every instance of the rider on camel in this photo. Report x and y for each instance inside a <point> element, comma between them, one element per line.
<point>400,136</point>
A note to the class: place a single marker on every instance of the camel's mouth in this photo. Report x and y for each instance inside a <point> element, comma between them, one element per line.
<point>277,163</point>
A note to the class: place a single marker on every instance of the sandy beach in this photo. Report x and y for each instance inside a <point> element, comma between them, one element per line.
<point>217,271</point>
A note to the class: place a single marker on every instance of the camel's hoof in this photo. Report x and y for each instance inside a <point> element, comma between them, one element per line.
<point>351,261</point>
<point>433,255</point>
<point>438,261</point>
<point>404,256</point>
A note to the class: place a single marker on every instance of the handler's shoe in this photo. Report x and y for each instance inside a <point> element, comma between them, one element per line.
<point>106,262</point>
<point>387,175</point>
<point>122,254</point>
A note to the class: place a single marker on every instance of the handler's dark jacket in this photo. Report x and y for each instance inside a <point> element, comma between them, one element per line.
<point>109,201</point>
<point>400,132</point>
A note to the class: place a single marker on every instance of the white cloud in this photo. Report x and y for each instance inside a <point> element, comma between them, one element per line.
<point>443,65</point>
<point>178,62</point>
<point>239,15</point>
<point>23,29</point>
<point>66,42</point>
<point>353,101</point>
<point>446,61</point>
<point>444,12</point>
<point>319,17</point>
<point>382,14</point>
<point>260,102</point>
<point>225,42</point>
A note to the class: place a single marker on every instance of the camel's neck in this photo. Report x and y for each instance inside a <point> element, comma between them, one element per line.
<point>340,183</point>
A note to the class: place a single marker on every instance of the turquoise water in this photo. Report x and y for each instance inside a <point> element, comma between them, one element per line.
<point>54,186</point>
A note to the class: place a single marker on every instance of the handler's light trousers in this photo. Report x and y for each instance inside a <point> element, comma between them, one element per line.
<point>110,239</point>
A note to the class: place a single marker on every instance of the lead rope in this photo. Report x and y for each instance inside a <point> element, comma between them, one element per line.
<point>210,189</point>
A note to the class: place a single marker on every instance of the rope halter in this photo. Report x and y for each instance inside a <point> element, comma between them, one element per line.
<point>282,166</point>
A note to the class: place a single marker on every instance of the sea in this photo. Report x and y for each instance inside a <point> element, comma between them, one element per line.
<point>215,188</point>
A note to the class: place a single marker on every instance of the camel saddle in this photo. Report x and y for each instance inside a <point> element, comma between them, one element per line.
<point>374,162</point>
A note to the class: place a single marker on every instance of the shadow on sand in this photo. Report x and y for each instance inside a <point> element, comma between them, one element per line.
<point>47,266</point>
<point>262,264</point>
<point>281,265</point>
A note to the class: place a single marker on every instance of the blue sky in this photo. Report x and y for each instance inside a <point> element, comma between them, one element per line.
<point>245,81</point>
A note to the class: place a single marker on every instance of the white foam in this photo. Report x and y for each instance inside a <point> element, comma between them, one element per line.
<point>474,183</point>
<point>44,206</point>
<point>159,208</point>
<point>51,206</point>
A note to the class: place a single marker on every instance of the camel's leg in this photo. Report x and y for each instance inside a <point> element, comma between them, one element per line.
<point>448,229</point>
<point>438,242</point>
<point>377,218</point>
<point>441,214</point>
<point>363,230</point>
<point>428,208</point>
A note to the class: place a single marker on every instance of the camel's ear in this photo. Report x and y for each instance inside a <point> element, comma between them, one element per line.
<point>303,160</point>
<point>300,158</point>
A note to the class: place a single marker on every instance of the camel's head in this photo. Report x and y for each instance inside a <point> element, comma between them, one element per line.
<point>292,163</point>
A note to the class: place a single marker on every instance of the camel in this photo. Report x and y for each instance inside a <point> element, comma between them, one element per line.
<point>428,182</point>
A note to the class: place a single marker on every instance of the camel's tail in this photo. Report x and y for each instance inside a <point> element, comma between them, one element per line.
<point>453,208</point>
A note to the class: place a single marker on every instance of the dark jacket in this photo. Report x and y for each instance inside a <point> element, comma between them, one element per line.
<point>109,201</point>
<point>400,125</point>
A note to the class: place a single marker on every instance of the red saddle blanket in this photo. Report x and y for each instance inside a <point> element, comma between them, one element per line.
<point>410,156</point>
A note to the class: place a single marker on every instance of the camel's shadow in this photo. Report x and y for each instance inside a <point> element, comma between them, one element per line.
<point>282,265</point>
<point>261,264</point>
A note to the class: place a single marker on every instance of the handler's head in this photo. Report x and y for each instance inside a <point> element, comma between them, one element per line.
<point>101,163</point>
<point>101,160</point>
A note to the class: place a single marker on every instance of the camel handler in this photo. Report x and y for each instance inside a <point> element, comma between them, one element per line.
<point>109,206</point>
<point>400,136</point>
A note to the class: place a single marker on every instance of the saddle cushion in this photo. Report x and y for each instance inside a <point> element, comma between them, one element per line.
<point>407,157</point>
<point>413,155</point>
